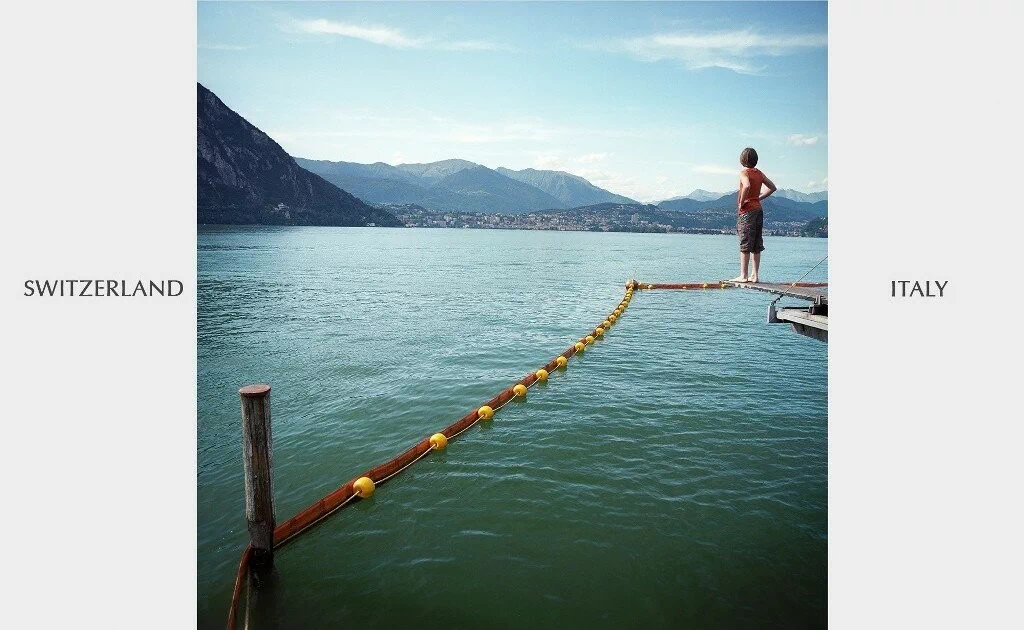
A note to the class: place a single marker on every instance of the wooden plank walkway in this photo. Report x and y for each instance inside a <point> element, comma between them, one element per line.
<point>817,294</point>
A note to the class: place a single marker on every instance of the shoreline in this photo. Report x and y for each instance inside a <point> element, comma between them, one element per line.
<point>501,228</point>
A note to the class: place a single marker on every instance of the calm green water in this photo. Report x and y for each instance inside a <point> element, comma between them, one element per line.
<point>675,475</point>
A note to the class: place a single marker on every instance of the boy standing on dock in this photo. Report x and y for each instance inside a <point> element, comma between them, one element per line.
<point>750,222</point>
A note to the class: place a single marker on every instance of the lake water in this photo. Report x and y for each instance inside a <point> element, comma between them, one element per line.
<point>673,476</point>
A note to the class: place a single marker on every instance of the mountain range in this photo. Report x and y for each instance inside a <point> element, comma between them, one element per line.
<point>787,193</point>
<point>463,186</point>
<point>244,177</point>
<point>459,185</point>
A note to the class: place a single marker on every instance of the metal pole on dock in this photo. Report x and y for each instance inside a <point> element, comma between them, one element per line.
<point>257,445</point>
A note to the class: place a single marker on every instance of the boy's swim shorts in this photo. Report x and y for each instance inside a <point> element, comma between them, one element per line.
<point>750,228</point>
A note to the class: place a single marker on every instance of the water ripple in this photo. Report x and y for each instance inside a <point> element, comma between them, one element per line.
<point>679,465</point>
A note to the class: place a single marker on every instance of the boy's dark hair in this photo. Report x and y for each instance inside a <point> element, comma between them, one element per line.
<point>748,158</point>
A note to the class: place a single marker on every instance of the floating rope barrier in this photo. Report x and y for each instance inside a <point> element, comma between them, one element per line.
<point>364,485</point>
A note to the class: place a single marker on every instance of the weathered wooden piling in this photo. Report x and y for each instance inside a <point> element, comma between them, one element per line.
<point>257,447</point>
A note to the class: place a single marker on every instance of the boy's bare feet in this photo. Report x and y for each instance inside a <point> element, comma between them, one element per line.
<point>752,279</point>
<point>740,279</point>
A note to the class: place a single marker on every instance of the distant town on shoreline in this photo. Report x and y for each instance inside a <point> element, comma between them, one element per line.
<point>600,218</point>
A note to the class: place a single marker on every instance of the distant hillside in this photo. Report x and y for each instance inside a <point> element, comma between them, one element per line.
<point>373,183</point>
<point>699,195</point>
<point>685,204</point>
<point>776,209</point>
<point>570,190</point>
<point>433,171</point>
<point>796,195</point>
<point>483,189</point>
<point>460,185</point>
<point>244,177</point>
<point>816,227</point>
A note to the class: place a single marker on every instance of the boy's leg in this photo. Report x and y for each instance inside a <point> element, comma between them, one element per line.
<point>757,265</point>
<point>744,263</point>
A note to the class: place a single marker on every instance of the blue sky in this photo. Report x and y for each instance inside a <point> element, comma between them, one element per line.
<point>646,100</point>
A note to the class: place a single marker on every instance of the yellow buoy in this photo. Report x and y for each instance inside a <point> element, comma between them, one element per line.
<point>438,441</point>
<point>598,331</point>
<point>704,286</point>
<point>612,317</point>
<point>519,389</point>
<point>606,323</point>
<point>724,285</point>
<point>650,286</point>
<point>589,339</point>
<point>542,374</point>
<point>363,486</point>
<point>485,413</point>
<point>579,346</point>
<point>561,361</point>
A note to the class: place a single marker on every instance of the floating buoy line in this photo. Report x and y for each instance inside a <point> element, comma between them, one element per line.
<point>364,485</point>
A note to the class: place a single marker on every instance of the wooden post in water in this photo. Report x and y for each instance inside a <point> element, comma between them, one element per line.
<point>257,445</point>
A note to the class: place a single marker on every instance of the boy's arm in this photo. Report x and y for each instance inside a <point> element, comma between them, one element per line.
<point>744,185</point>
<point>771,189</point>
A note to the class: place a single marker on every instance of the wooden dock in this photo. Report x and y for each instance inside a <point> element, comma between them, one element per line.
<point>814,293</point>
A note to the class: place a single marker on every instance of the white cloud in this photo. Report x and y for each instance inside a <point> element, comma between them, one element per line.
<point>386,36</point>
<point>615,182</point>
<point>549,163</point>
<point>382,35</point>
<point>800,140</point>
<point>731,50</point>
<point>576,165</point>
<point>715,169</point>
